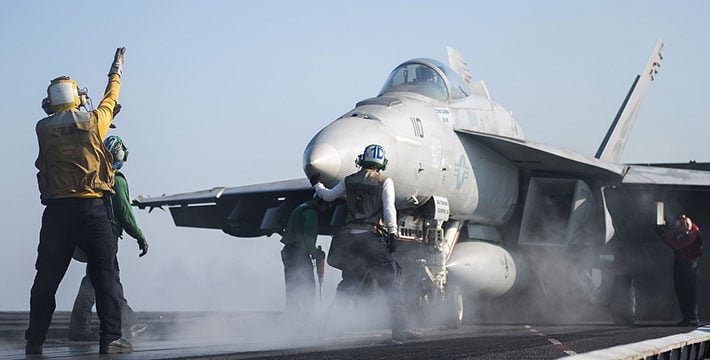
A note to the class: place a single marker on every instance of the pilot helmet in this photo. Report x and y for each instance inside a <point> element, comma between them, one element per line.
<point>373,156</point>
<point>425,73</point>
<point>63,94</point>
<point>118,150</point>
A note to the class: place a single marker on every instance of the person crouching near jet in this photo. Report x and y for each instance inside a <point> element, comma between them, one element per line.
<point>686,241</point>
<point>370,203</point>
<point>299,241</point>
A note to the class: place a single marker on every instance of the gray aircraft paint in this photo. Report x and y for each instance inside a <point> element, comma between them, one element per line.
<point>466,156</point>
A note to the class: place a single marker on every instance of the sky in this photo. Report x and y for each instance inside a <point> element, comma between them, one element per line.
<point>228,93</point>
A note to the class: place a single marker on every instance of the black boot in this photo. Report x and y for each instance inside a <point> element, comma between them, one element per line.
<point>33,349</point>
<point>688,323</point>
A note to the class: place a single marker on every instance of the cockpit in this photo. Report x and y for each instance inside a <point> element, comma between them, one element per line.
<point>426,77</point>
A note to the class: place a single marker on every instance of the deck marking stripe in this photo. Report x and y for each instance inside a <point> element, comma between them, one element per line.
<point>553,341</point>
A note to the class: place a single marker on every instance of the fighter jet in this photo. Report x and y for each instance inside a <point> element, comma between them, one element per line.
<point>480,208</point>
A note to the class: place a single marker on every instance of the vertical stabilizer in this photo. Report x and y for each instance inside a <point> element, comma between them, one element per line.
<point>613,144</point>
<point>457,62</point>
<point>459,65</point>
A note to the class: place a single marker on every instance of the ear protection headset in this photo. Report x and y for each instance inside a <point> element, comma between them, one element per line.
<point>83,97</point>
<point>46,107</point>
<point>360,162</point>
<point>121,154</point>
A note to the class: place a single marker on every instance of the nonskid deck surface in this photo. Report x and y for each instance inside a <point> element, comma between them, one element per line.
<point>246,335</point>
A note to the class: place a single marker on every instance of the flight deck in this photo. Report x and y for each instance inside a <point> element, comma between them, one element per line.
<point>247,335</point>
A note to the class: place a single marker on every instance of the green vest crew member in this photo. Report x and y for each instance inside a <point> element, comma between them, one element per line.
<point>74,177</point>
<point>299,247</point>
<point>80,322</point>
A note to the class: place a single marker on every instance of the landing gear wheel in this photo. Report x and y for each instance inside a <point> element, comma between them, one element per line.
<point>454,306</point>
<point>623,301</point>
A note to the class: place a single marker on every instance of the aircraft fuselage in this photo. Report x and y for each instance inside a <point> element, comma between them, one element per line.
<point>426,156</point>
<point>444,181</point>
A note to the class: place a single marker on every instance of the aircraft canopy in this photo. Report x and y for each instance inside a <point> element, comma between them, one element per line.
<point>426,77</point>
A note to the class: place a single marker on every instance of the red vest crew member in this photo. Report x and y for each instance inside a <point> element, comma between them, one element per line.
<point>686,241</point>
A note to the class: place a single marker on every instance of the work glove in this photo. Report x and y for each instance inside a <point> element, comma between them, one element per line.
<point>392,239</point>
<point>143,245</point>
<point>314,179</point>
<point>117,66</point>
<point>660,229</point>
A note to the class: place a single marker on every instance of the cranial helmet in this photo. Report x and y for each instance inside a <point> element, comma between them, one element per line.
<point>63,94</point>
<point>683,223</point>
<point>373,156</point>
<point>118,150</point>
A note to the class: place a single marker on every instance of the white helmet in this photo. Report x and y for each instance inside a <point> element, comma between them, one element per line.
<point>63,94</point>
<point>373,156</point>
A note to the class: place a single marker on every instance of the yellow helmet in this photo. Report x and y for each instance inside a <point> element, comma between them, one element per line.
<point>62,94</point>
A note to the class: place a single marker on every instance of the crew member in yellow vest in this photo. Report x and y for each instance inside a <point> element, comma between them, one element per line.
<point>75,183</point>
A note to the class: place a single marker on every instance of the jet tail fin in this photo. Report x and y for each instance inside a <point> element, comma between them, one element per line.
<point>459,65</point>
<point>457,62</point>
<point>616,137</point>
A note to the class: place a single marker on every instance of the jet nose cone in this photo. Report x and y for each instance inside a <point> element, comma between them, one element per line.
<point>321,158</point>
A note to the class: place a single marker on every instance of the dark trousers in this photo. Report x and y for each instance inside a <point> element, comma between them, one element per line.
<point>67,224</point>
<point>369,253</point>
<point>300,282</point>
<point>685,274</point>
<point>80,322</point>
<point>356,286</point>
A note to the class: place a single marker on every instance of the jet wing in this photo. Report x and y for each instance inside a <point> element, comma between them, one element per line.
<point>690,165</point>
<point>627,189</point>
<point>242,211</point>
<point>688,179</point>
<point>656,192</point>
<point>543,159</point>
